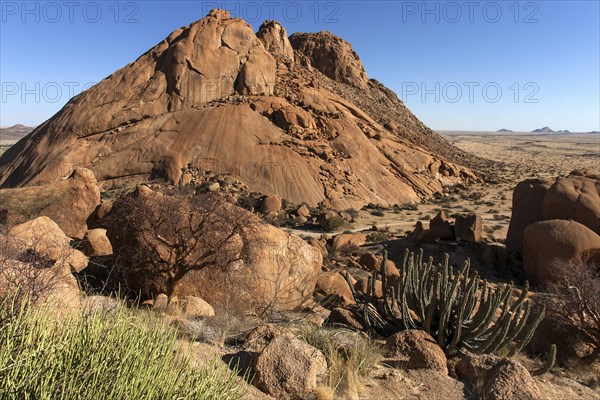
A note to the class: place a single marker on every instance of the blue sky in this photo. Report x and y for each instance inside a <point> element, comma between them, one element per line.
<point>458,65</point>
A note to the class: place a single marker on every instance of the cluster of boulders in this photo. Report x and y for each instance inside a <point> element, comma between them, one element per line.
<point>282,213</point>
<point>553,222</point>
<point>466,228</point>
<point>267,267</point>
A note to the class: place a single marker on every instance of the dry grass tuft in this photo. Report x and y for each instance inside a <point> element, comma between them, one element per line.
<point>350,356</point>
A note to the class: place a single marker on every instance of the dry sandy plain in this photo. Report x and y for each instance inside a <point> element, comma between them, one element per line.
<point>5,144</point>
<point>518,156</point>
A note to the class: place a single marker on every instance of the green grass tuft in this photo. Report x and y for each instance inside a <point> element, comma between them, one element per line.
<point>122,355</point>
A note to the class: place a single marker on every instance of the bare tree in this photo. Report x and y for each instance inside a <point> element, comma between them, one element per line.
<point>160,237</point>
<point>577,300</point>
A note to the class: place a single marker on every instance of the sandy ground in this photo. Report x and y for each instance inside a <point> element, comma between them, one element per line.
<point>5,144</point>
<point>522,156</point>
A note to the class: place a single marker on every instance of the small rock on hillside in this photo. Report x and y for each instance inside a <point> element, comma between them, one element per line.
<point>498,378</point>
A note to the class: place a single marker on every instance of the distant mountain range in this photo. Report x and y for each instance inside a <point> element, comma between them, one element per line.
<point>549,130</point>
<point>15,132</point>
<point>544,130</point>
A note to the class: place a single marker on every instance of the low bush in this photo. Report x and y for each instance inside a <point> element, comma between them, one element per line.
<point>123,355</point>
<point>577,294</point>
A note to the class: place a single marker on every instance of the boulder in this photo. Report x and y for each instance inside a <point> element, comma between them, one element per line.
<point>439,228</point>
<point>527,209</point>
<point>232,257</point>
<point>334,283</point>
<point>345,317</point>
<point>332,56</point>
<point>576,198</point>
<point>45,238</point>
<point>468,228</point>
<point>348,241</point>
<point>293,117</point>
<point>418,349</point>
<point>330,221</point>
<point>289,368</point>
<point>548,244</point>
<point>195,307</point>
<point>69,202</point>
<point>500,378</point>
<point>96,243</point>
<point>303,211</point>
<point>49,284</point>
<point>270,204</point>
<point>362,285</point>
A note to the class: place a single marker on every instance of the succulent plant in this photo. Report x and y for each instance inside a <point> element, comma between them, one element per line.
<point>459,311</point>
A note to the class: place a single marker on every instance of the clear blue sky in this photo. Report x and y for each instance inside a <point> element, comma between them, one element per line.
<point>446,59</point>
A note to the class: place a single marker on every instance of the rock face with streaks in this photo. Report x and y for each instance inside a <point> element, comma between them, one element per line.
<point>295,117</point>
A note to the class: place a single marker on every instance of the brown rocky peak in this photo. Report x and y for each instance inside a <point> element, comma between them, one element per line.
<point>275,38</point>
<point>213,98</point>
<point>332,56</point>
<point>219,14</point>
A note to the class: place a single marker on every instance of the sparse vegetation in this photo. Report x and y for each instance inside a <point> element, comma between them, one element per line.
<point>348,249</point>
<point>378,236</point>
<point>122,355</point>
<point>577,300</point>
<point>333,223</point>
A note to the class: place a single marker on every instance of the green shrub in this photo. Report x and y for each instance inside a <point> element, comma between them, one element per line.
<point>333,223</point>
<point>378,237</point>
<point>458,311</point>
<point>123,355</point>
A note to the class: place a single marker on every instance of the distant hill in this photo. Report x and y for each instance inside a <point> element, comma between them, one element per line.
<point>15,132</point>
<point>544,130</point>
<point>504,130</point>
<point>595,132</point>
<point>564,131</point>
